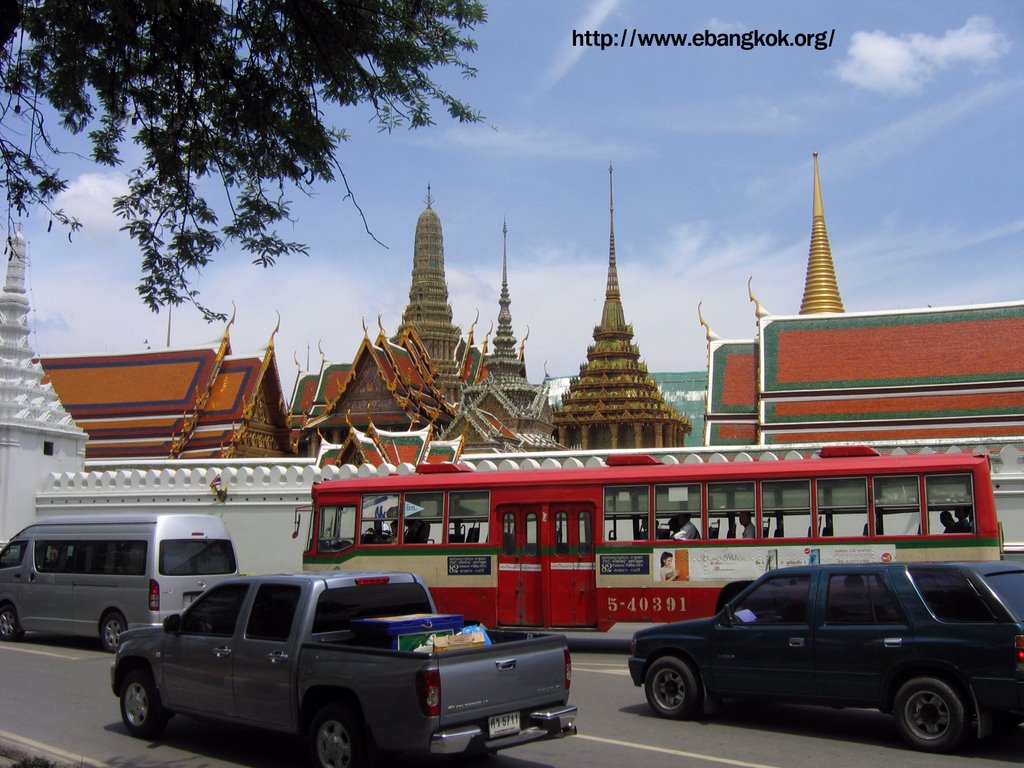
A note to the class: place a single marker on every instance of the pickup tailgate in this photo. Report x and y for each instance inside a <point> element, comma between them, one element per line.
<point>520,671</point>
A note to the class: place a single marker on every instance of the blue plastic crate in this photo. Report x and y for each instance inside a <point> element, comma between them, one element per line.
<point>406,633</point>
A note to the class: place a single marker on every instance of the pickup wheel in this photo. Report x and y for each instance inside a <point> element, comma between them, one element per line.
<point>10,627</point>
<point>336,739</point>
<point>142,712</point>
<point>930,714</point>
<point>672,688</point>
<point>111,626</point>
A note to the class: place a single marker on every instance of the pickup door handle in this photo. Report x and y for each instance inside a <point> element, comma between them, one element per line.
<point>221,651</point>
<point>505,664</point>
<point>893,642</point>
<point>277,657</point>
<point>796,642</point>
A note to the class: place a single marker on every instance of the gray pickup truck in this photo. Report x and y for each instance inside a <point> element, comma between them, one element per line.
<point>282,653</point>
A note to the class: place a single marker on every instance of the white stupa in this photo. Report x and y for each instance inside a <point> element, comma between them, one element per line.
<point>37,436</point>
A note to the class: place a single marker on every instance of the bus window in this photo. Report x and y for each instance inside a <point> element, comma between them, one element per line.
<point>670,502</point>
<point>843,506</point>
<point>508,535</point>
<point>469,514</point>
<point>532,548</point>
<point>379,523</point>
<point>897,506</point>
<point>586,545</point>
<point>950,503</point>
<point>337,528</point>
<point>786,508</point>
<point>422,517</point>
<point>561,533</point>
<point>626,510</point>
<point>726,502</point>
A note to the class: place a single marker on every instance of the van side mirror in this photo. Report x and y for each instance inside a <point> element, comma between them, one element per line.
<point>172,624</point>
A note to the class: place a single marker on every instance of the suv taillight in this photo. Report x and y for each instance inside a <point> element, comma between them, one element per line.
<point>1018,645</point>
<point>428,690</point>
<point>568,668</point>
<point>154,595</point>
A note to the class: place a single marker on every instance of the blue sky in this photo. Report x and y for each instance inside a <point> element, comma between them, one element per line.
<point>916,110</point>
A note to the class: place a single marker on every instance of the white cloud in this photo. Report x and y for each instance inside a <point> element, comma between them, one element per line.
<point>879,62</point>
<point>570,55</point>
<point>89,198</point>
<point>531,142</point>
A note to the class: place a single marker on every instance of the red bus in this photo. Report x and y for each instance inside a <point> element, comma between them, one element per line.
<point>589,547</point>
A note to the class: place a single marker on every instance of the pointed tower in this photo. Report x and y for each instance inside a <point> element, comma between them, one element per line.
<point>821,291</point>
<point>428,310</point>
<point>503,411</point>
<point>37,436</point>
<point>615,403</point>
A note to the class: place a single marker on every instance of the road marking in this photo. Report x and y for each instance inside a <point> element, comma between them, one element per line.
<point>675,752</point>
<point>37,747</point>
<point>43,653</point>
<point>615,670</point>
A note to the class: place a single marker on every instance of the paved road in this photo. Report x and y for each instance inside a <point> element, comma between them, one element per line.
<point>63,709</point>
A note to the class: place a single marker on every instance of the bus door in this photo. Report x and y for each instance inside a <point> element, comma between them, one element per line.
<point>520,588</point>
<point>570,570</point>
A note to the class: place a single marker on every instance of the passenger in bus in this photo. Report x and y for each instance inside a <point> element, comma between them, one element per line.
<point>963,521</point>
<point>682,527</point>
<point>747,526</point>
<point>949,525</point>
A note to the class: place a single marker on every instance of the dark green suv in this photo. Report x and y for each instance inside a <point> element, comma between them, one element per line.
<point>939,645</point>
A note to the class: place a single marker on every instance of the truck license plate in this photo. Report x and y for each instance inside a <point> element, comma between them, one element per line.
<point>503,725</point>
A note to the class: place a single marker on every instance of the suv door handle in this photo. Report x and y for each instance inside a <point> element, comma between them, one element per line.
<point>893,642</point>
<point>277,657</point>
<point>221,651</point>
<point>797,642</point>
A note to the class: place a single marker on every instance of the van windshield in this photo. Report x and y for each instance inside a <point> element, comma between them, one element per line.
<point>196,557</point>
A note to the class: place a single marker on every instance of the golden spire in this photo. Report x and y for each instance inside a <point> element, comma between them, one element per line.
<point>821,291</point>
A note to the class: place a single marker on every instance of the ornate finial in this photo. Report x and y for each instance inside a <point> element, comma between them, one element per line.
<point>231,321</point>
<point>380,325</point>
<point>488,336</point>
<point>821,289</point>
<point>546,374</point>
<point>320,346</point>
<point>473,326</point>
<point>295,357</point>
<point>709,334</point>
<point>276,329</point>
<point>522,345</point>
<point>430,197</point>
<point>759,311</point>
<point>366,332</point>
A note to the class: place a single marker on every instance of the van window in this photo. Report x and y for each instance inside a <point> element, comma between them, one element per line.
<point>13,554</point>
<point>120,558</point>
<point>55,556</point>
<point>196,557</point>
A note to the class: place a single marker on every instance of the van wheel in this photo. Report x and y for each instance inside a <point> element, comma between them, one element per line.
<point>336,739</point>
<point>672,688</point>
<point>111,626</point>
<point>141,710</point>
<point>10,627</point>
<point>930,714</point>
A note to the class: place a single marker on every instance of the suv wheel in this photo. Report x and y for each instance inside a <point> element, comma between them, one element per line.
<point>930,714</point>
<point>142,712</point>
<point>672,688</point>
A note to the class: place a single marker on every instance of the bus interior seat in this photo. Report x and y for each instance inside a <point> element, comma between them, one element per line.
<point>423,533</point>
<point>713,529</point>
<point>456,538</point>
<point>473,534</point>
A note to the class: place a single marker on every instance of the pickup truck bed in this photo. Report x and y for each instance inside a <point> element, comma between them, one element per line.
<point>280,652</point>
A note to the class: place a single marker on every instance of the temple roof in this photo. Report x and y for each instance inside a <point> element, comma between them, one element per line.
<point>194,402</point>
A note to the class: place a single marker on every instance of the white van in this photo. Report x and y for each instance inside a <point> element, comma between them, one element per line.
<point>103,574</point>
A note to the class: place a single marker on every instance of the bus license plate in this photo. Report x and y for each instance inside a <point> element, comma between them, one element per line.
<point>503,725</point>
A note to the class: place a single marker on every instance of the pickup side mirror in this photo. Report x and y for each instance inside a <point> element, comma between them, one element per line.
<point>172,624</point>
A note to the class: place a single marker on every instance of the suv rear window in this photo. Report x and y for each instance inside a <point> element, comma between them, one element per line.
<point>1009,585</point>
<point>949,596</point>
